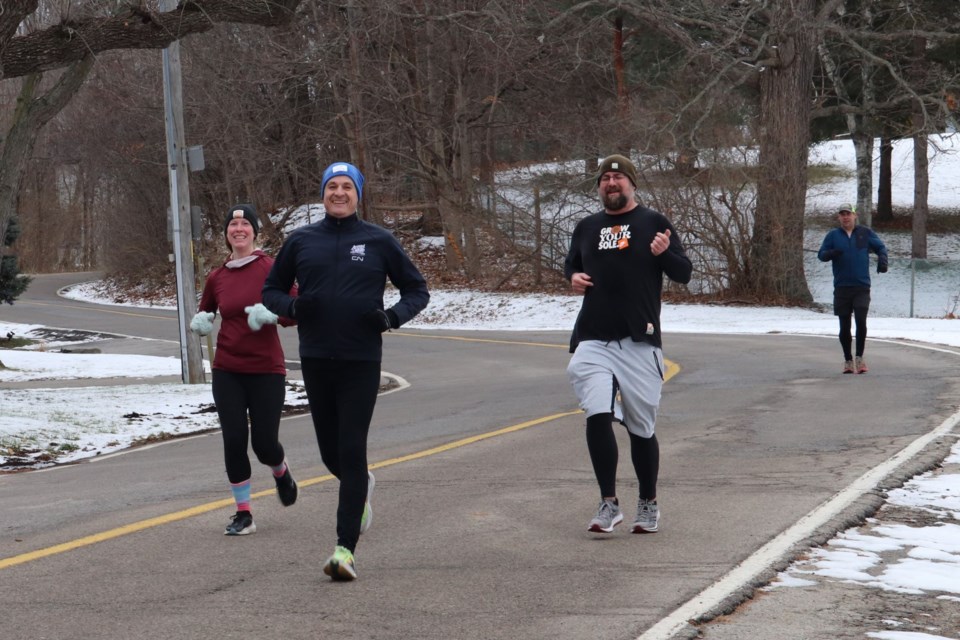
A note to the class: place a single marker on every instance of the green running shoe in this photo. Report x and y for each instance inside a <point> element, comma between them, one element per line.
<point>367,518</point>
<point>340,566</point>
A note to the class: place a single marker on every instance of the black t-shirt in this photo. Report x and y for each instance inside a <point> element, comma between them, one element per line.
<point>614,250</point>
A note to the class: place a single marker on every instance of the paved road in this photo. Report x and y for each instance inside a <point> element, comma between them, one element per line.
<point>473,537</point>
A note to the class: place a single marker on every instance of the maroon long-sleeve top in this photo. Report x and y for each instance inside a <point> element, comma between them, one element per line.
<point>239,348</point>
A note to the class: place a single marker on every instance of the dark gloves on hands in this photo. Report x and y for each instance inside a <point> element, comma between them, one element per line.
<point>305,307</point>
<point>833,253</point>
<point>380,320</point>
<point>882,266</point>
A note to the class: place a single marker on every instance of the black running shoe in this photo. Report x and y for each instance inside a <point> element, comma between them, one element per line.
<point>242,524</point>
<point>287,489</point>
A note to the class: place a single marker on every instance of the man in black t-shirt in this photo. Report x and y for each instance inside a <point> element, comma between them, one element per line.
<point>617,260</point>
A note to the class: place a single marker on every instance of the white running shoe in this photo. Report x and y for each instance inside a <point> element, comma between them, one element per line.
<point>608,516</point>
<point>648,517</point>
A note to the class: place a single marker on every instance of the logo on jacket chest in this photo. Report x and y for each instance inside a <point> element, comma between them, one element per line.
<point>358,252</point>
<point>615,237</point>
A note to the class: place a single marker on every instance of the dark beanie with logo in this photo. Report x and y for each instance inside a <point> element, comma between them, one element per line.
<point>243,211</point>
<point>618,163</point>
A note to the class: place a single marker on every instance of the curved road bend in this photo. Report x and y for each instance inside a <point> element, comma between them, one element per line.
<point>472,538</point>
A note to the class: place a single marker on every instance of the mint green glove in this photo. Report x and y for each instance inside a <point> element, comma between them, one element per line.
<point>258,315</point>
<point>202,323</point>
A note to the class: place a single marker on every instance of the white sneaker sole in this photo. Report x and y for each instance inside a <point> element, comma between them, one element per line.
<point>341,572</point>
<point>243,532</point>
<point>596,528</point>
<point>639,528</point>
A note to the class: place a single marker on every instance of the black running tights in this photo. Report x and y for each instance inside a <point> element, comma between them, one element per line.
<point>260,395</point>
<point>860,317</point>
<point>342,394</point>
<point>602,445</point>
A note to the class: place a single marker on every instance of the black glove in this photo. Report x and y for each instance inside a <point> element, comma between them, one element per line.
<point>305,307</point>
<point>882,266</point>
<point>833,253</point>
<point>380,320</point>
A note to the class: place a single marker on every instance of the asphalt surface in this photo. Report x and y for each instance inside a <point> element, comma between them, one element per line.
<point>484,489</point>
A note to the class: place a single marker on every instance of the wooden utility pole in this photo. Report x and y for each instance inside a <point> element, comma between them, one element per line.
<point>191,354</point>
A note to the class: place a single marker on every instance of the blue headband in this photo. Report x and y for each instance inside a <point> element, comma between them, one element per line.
<point>340,169</point>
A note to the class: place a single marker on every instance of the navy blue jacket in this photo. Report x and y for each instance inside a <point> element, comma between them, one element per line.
<point>851,255</point>
<point>344,263</point>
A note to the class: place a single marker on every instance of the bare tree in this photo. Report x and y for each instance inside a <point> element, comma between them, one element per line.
<point>418,92</point>
<point>35,40</point>
<point>888,76</point>
<point>776,43</point>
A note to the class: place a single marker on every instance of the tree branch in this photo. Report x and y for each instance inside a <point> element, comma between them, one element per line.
<point>61,44</point>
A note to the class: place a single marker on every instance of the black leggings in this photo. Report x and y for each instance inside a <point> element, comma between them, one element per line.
<point>261,395</point>
<point>342,394</point>
<point>602,445</point>
<point>860,317</point>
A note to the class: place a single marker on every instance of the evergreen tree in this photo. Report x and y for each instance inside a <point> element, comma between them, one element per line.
<point>12,283</point>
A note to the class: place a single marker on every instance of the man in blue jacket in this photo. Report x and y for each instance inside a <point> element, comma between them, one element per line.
<point>341,265</point>
<point>849,247</point>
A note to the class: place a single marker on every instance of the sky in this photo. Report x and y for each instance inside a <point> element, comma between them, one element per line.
<point>107,418</point>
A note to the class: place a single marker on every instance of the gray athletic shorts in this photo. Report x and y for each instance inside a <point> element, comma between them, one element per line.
<point>620,377</point>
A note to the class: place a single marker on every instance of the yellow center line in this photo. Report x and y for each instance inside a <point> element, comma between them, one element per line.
<point>672,367</point>
<point>484,340</point>
<point>672,370</point>
<point>219,504</point>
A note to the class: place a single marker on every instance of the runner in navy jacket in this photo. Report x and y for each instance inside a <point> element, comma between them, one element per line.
<point>341,265</point>
<point>848,247</point>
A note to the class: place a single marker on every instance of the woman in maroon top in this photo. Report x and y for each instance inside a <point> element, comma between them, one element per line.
<point>248,367</point>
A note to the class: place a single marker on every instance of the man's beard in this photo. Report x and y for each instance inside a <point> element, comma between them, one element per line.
<point>614,201</point>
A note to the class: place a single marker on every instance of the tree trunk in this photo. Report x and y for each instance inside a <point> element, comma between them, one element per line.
<point>31,114</point>
<point>432,224</point>
<point>623,94</point>
<point>776,254</point>
<point>537,237</point>
<point>863,149</point>
<point>88,218</point>
<point>857,127</point>
<point>885,186</point>
<point>462,176</point>
<point>452,230</point>
<point>921,184</point>
<point>921,173</point>
<point>353,114</point>
<point>591,164</point>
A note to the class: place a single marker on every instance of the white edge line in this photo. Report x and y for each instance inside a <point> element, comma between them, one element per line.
<point>748,570</point>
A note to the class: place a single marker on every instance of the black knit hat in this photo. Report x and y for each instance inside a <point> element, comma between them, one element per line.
<point>243,211</point>
<point>619,163</point>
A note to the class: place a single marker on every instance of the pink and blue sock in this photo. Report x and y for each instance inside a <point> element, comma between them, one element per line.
<point>241,494</point>
<point>279,470</point>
